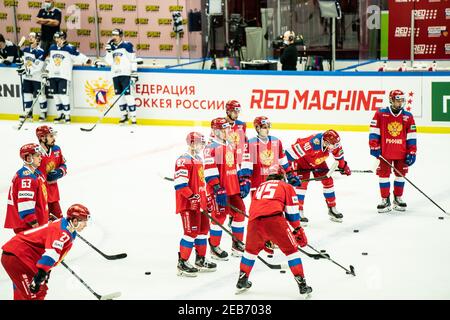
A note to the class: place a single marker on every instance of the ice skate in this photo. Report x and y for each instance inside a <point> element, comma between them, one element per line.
<point>184,268</point>
<point>304,289</point>
<point>237,249</point>
<point>384,206</point>
<point>59,119</point>
<point>203,265</point>
<point>398,204</point>
<point>335,215</point>
<point>217,253</point>
<point>123,120</point>
<point>43,117</point>
<point>303,220</point>
<point>243,284</point>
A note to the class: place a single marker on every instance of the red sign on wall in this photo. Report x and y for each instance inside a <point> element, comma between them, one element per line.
<point>431,29</point>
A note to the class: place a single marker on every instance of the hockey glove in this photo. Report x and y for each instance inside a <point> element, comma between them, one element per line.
<point>300,236</point>
<point>221,195</point>
<point>345,169</point>
<point>210,204</point>
<point>269,246</point>
<point>375,152</point>
<point>38,278</point>
<point>194,202</point>
<point>293,179</point>
<point>55,175</point>
<point>410,159</point>
<point>109,47</point>
<point>244,186</point>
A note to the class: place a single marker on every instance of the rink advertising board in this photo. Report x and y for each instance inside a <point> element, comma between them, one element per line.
<point>300,101</point>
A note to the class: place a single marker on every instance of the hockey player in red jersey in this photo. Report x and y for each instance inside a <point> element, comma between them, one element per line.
<point>221,176</point>
<point>393,135</point>
<point>29,256</point>
<point>274,207</point>
<point>27,198</point>
<point>53,167</point>
<point>309,155</point>
<point>265,151</point>
<point>238,129</point>
<point>189,182</point>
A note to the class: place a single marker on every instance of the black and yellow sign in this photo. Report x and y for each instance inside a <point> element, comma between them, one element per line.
<point>35,29</point>
<point>141,21</point>
<point>175,8</point>
<point>128,7</point>
<point>131,34</point>
<point>84,32</point>
<point>75,43</point>
<point>152,8</point>
<point>164,21</point>
<point>105,7</point>
<point>3,16</point>
<point>82,6</point>
<point>174,34</point>
<point>105,33</point>
<point>143,46</point>
<point>60,5</point>
<point>34,4</point>
<point>10,3</point>
<point>10,29</point>
<point>153,34</point>
<point>118,20</point>
<point>165,47</point>
<point>24,17</point>
<point>92,19</point>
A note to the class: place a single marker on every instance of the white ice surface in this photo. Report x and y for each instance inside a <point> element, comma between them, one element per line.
<point>117,174</point>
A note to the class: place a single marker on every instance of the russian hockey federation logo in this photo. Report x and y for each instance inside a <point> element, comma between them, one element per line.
<point>266,157</point>
<point>99,93</point>
<point>394,128</point>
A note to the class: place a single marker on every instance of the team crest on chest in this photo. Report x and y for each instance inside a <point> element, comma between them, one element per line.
<point>320,160</point>
<point>266,157</point>
<point>394,128</point>
<point>234,138</point>
<point>50,166</point>
<point>229,158</point>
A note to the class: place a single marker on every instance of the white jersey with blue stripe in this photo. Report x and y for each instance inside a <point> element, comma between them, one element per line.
<point>122,59</point>
<point>33,62</point>
<point>62,59</point>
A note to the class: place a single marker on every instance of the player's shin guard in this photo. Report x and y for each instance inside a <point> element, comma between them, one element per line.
<point>385,187</point>
<point>215,235</point>
<point>330,197</point>
<point>200,244</point>
<point>186,245</point>
<point>301,197</point>
<point>399,184</point>
<point>237,228</point>
<point>247,262</point>
<point>123,111</point>
<point>295,264</point>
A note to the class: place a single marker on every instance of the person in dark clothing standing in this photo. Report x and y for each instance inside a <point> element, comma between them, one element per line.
<point>289,56</point>
<point>49,18</point>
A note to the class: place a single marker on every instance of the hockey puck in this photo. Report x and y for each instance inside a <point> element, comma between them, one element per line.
<point>148,273</point>
<point>131,131</point>
<point>282,271</point>
<point>323,251</point>
<point>441,218</point>
<point>356,230</point>
<point>270,256</point>
<point>364,253</point>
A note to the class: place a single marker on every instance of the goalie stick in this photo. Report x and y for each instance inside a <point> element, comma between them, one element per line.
<point>110,296</point>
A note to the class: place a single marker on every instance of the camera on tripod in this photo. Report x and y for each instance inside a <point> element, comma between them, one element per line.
<point>278,43</point>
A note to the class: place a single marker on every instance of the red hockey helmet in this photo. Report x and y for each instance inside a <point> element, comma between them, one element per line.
<point>195,137</point>
<point>396,95</point>
<point>233,105</point>
<point>43,131</point>
<point>219,123</point>
<point>78,211</point>
<point>331,136</point>
<point>29,149</point>
<point>259,121</point>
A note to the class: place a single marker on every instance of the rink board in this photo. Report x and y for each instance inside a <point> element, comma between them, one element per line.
<point>301,100</point>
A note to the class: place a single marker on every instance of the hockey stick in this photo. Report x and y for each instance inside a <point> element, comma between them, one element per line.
<point>401,175</point>
<point>311,255</point>
<point>352,269</point>
<point>271,266</point>
<point>339,170</point>
<point>106,256</point>
<point>104,114</point>
<point>22,121</point>
<point>98,296</point>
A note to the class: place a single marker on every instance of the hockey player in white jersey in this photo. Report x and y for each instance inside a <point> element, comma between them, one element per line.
<point>31,70</point>
<point>62,57</point>
<point>122,58</point>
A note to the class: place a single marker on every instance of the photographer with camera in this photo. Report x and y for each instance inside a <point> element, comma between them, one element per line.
<point>289,56</point>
